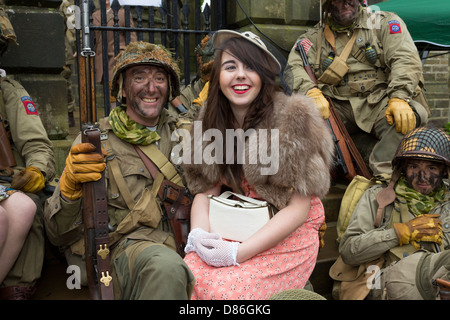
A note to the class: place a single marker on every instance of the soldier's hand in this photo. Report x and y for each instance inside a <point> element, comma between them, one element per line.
<point>29,179</point>
<point>400,112</point>
<point>322,230</point>
<point>82,165</point>
<point>320,101</point>
<point>426,227</point>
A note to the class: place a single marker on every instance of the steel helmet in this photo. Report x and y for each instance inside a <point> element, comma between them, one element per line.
<point>140,52</point>
<point>424,143</point>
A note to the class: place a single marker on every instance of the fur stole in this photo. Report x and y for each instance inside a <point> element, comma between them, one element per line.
<point>304,147</point>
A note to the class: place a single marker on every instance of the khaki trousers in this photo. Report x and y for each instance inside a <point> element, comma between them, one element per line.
<point>143,269</point>
<point>412,278</point>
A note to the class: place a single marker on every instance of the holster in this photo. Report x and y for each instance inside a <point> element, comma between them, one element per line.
<point>177,203</point>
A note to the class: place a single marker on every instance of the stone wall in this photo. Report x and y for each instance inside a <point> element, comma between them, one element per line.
<point>437,84</point>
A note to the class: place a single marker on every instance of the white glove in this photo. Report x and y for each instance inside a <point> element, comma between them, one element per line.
<point>195,235</point>
<point>218,253</point>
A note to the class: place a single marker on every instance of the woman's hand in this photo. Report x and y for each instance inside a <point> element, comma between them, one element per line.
<point>218,253</point>
<point>276,229</point>
<point>196,235</point>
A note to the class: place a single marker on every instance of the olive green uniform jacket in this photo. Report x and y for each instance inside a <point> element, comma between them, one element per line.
<point>31,147</point>
<point>143,226</point>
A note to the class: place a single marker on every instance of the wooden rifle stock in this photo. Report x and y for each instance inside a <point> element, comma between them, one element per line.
<point>95,210</point>
<point>347,155</point>
<point>7,160</point>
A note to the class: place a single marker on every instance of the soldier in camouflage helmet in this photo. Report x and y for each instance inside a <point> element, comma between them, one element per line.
<point>369,66</point>
<point>145,264</point>
<point>193,95</point>
<point>408,241</point>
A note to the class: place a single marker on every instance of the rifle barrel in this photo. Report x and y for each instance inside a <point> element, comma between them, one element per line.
<point>303,55</point>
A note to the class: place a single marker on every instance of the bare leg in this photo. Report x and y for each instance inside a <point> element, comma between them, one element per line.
<point>19,211</point>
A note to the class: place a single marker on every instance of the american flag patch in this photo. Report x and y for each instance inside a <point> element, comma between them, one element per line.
<point>305,43</point>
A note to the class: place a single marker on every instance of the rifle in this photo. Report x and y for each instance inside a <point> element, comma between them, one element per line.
<point>347,155</point>
<point>7,160</point>
<point>95,211</point>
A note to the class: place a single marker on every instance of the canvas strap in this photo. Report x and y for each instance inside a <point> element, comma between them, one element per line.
<point>329,36</point>
<point>161,161</point>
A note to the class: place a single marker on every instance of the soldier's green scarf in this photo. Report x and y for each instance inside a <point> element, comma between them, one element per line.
<point>419,203</point>
<point>129,130</point>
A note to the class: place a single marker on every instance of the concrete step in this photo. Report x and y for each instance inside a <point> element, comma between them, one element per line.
<point>320,279</point>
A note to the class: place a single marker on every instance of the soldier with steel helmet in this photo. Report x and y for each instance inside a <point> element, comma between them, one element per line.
<point>144,260</point>
<point>408,240</point>
<point>367,63</point>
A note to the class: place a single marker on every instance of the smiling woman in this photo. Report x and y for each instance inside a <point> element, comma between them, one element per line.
<point>240,84</point>
<point>244,96</point>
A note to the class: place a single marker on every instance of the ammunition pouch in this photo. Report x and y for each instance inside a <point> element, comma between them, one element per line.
<point>335,72</point>
<point>339,68</point>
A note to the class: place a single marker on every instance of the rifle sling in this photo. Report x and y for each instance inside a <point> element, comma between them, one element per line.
<point>329,36</point>
<point>160,160</point>
<point>96,204</point>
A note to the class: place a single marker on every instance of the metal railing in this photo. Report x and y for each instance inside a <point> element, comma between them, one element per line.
<point>177,26</point>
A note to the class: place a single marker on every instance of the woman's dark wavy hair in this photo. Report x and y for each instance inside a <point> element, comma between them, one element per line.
<point>218,113</point>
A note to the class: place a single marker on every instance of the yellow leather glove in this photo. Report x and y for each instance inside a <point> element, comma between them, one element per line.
<point>202,96</point>
<point>400,112</point>
<point>29,179</point>
<point>82,165</point>
<point>320,101</point>
<point>426,227</point>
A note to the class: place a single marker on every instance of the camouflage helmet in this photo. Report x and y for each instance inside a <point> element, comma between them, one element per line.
<point>7,34</point>
<point>431,144</point>
<point>138,53</point>
<point>205,56</point>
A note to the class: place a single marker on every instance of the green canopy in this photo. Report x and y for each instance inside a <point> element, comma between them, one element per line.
<point>427,21</point>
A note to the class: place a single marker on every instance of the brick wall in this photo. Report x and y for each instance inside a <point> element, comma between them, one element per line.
<point>437,85</point>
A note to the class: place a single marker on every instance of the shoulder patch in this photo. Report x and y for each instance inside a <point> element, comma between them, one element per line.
<point>28,103</point>
<point>305,43</point>
<point>394,26</point>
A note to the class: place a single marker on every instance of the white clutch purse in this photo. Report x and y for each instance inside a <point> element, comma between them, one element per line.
<point>237,220</point>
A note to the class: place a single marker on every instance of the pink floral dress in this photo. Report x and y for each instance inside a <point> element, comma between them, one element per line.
<point>285,266</point>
